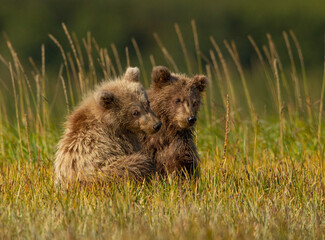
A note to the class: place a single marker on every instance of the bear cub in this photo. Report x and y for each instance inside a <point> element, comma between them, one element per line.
<point>101,138</point>
<point>176,100</point>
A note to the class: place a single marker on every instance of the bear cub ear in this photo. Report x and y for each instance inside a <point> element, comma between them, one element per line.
<point>105,99</point>
<point>200,82</point>
<point>132,74</point>
<point>160,76</point>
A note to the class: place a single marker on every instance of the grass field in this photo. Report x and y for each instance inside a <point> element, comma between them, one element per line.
<point>262,152</point>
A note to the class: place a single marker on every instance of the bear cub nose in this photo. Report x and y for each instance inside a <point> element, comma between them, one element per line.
<point>157,126</point>
<point>191,120</point>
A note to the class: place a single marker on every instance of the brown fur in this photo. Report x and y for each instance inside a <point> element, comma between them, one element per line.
<point>101,136</point>
<point>174,98</point>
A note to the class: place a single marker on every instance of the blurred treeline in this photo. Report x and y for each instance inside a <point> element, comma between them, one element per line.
<point>28,23</point>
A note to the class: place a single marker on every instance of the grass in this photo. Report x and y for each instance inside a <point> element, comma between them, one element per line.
<point>262,169</point>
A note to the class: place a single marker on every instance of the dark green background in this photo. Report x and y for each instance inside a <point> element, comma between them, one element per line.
<point>28,23</point>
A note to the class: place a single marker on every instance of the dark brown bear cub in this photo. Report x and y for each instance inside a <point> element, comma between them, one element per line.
<point>101,139</point>
<point>175,99</point>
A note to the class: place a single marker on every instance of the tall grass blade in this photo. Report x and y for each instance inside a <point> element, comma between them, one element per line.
<point>230,87</point>
<point>4,109</point>
<point>65,94</point>
<point>65,61</point>
<point>74,51</point>
<point>78,49</point>
<point>92,76</point>
<point>197,46</point>
<point>16,110</point>
<point>268,56</point>
<point>293,71</point>
<point>207,97</point>
<point>276,73</point>
<point>2,142</point>
<point>234,54</point>
<point>127,56</point>
<point>25,98</point>
<point>304,77</point>
<point>109,64</point>
<point>275,55</point>
<point>184,49</point>
<point>74,72</point>
<point>57,90</point>
<point>166,54</point>
<point>39,124</point>
<point>139,56</point>
<point>44,97</point>
<point>101,60</point>
<point>25,121</point>
<point>91,61</point>
<point>152,60</point>
<point>320,114</point>
<point>227,130</point>
<point>117,59</point>
<point>18,74</point>
<point>219,78</point>
<point>266,72</point>
<point>280,70</point>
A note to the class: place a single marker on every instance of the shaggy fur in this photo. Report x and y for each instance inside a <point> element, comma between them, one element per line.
<point>101,136</point>
<point>175,99</point>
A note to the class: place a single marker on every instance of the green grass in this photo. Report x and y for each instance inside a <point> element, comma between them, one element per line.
<point>270,185</point>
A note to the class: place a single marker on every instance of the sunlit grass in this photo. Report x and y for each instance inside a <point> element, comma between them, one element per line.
<point>269,183</point>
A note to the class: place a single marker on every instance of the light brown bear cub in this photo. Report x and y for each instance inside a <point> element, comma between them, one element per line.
<point>101,141</point>
<point>175,99</point>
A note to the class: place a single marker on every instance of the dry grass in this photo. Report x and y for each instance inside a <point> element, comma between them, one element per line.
<point>271,183</point>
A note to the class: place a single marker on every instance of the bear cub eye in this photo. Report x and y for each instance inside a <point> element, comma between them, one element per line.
<point>177,100</point>
<point>135,113</point>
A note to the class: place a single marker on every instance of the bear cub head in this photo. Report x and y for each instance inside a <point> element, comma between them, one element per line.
<point>176,98</point>
<point>124,104</point>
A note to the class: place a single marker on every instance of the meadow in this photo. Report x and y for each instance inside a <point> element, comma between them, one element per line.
<point>260,137</point>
